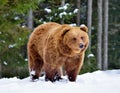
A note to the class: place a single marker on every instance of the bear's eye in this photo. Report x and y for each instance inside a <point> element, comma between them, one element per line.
<point>82,38</point>
<point>74,39</point>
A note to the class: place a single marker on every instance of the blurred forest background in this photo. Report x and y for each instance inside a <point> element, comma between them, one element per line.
<point>18,18</point>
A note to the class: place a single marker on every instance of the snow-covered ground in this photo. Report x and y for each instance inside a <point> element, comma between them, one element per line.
<point>96,82</point>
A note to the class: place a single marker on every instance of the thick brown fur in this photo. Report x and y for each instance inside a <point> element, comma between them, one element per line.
<point>52,46</point>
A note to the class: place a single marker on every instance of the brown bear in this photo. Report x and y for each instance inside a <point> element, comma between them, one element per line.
<point>52,46</point>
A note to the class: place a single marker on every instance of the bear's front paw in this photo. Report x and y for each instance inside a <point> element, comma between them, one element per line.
<point>49,79</point>
<point>34,78</point>
<point>53,78</point>
<point>57,76</point>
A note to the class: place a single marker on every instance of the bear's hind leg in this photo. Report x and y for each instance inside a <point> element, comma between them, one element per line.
<point>36,69</point>
<point>35,66</point>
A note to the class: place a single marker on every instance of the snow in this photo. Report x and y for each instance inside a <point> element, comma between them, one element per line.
<point>74,24</point>
<point>20,38</point>
<point>2,41</point>
<point>23,26</point>
<point>26,59</point>
<point>96,82</point>
<point>75,11</point>
<point>70,13</point>
<point>5,63</point>
<point>62,14</point>
<point>64,7</point>
<point>11,45</point>
<point>32,72</point>
<point>48,10</point>
<point>90,55</point>
<point>17,18</point>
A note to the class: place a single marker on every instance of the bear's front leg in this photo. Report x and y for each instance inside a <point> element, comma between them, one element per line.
<point>52,74</point>
<point>73,66</point>
<point>72,74</point>
<point>52,62</point>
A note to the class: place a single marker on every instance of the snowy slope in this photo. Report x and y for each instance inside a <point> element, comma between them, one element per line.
<point>96,82</point>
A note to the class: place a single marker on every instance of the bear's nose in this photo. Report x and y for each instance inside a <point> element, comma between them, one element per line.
<point>81,45</point>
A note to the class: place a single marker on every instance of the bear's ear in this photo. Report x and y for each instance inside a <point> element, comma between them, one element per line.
<point>66,28</point>
<point>84,28</point>
<point>65,31</point>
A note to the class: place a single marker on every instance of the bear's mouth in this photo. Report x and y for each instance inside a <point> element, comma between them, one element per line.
<point>77,50</point>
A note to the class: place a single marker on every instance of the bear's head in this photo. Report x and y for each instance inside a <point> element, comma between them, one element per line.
<point>75,39</point>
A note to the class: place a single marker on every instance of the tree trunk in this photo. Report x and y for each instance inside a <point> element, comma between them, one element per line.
<point>105,52</point>
<point>62,4</point>
<point>99,35</point>
<point>30,19</point>
<point>0,68</point>
<point>89,21</point>
<point>78,14</point>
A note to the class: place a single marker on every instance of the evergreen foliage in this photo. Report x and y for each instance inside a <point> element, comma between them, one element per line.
<point>114,35</point>
<point>14,37</point>
<point>54,12</point>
